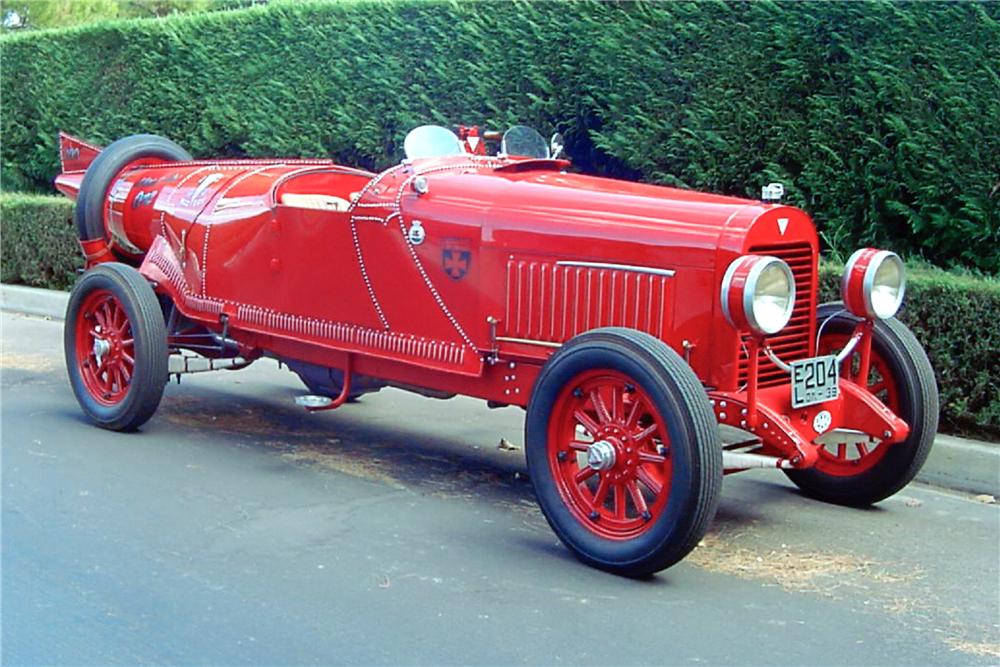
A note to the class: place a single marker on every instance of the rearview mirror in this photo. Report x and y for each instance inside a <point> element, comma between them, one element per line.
<point>556,145</point>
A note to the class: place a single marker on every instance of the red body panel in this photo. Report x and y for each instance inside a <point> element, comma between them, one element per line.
<point>353,276</point>
<point>460,274</point>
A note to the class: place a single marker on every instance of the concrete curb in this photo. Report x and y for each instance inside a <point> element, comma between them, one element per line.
<point>963,465</point>
<point>955,463</point>
<point>34,301</point>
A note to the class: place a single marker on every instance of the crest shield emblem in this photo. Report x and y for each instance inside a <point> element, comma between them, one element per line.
<point>456,258</point>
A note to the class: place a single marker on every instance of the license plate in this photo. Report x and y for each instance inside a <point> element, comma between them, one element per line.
<point>814,380</point>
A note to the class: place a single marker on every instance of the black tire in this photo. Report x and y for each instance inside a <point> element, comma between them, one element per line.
<point>148,332</point>
<point>695,450</point>
<point>918,406</point>
<point>89,213</point>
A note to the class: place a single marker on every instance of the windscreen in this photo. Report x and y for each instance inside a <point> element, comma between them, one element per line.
<point>524,141</point>
<point>431,141</point>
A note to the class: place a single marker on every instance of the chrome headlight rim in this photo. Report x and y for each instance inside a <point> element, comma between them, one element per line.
<point>858,284</point>
<point>744,273</point>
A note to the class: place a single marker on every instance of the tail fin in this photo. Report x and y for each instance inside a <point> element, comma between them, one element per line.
<point>75,155</point>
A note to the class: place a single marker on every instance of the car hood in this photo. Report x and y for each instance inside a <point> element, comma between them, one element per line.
<point>533,206</point>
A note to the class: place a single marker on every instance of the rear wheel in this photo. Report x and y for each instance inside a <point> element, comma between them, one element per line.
<point>116,347</point>
<point>623,451</point>
<point>859,470</point>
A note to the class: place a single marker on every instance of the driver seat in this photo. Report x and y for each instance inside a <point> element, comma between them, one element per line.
<point>315,201</point>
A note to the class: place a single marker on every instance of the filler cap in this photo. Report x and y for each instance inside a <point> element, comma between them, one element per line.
<point>772,192</point>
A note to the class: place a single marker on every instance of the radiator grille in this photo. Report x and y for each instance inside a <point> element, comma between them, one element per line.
<point>793,342</point>
<point>551,302</point>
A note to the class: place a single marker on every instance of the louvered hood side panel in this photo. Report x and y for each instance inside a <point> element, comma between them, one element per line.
<point>552,302</point>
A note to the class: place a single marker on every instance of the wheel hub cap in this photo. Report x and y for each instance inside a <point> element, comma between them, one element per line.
<point>101,347</point>
<point>601,455</point>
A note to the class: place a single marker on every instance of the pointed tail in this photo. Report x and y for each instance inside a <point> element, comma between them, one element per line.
<point>75,155</point>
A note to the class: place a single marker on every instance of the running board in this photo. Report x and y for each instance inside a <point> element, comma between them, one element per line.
<point>742,461</point>
<point>179,364</point>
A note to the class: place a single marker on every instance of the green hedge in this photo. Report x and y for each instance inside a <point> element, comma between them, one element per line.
<point>38,243</point>
<point>954,316</point>
<point>880,118</point>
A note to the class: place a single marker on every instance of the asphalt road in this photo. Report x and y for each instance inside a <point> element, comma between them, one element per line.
<point>237,529</point>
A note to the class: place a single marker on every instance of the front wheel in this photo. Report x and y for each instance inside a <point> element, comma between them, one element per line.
<point>116,347</point>
<point>623,451</point>
<point>859,470</point>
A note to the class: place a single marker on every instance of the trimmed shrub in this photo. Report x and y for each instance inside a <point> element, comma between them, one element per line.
<point>38,243</point>
<point>957,320</point>
<point>880,118</point>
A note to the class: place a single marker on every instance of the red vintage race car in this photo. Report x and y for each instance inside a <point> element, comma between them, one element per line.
<point>629,320</point>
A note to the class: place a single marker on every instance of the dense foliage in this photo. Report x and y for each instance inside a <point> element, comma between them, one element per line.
<point>39,245</point>
<point>953,316</point>
<point>881,119</point>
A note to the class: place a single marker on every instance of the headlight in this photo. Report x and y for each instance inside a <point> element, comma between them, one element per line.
<point>873,284</point>
<point>758,293</point>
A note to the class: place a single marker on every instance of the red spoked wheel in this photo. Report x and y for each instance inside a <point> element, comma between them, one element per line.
<point>846,454</point>
<point>116,346</point>
<point>859,469</point>
<point>105,347</point>
<point>609,451</point>
<point>623,451</point>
